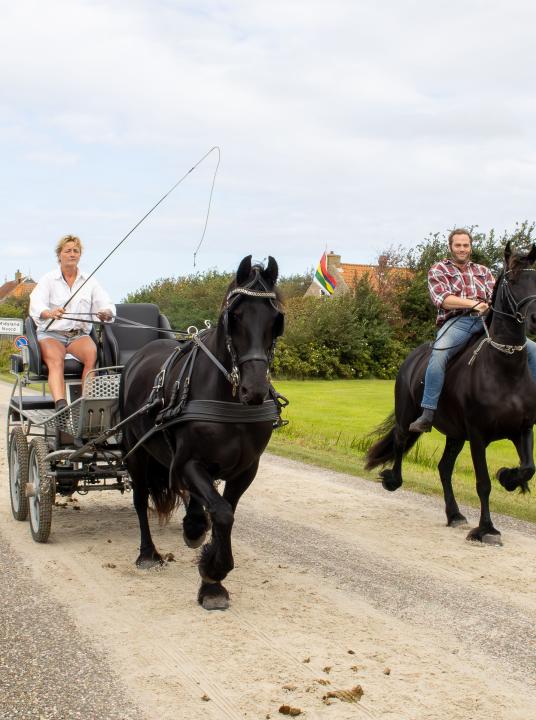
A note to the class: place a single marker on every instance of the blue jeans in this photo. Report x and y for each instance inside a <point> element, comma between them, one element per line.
<point>454,335</point>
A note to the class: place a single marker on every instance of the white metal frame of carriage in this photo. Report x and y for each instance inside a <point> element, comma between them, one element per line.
<point>75,449</point>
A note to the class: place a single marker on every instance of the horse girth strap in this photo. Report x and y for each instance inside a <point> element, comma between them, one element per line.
<point>215,411</point>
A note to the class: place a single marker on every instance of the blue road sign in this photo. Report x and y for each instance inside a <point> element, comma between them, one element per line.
<point>21,341</point>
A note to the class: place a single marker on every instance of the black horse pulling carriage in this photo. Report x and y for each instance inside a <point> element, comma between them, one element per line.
<point>175,419</point>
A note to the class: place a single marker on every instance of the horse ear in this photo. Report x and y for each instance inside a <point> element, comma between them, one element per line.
<point>531,257</point>
<point>507,253</point>
<point>271,273</point>
<point>244,270</point>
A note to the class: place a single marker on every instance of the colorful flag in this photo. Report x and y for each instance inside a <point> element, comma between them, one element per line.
<point>326,281</point>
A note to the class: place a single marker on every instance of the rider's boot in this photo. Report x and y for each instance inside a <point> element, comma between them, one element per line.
<point>424,422</point>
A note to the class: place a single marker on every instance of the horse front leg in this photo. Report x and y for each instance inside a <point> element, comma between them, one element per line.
<point>195,524</point>
<point>485,532</point>
<point>452,449</point>
<point>237,486</point>
<point>216,559</point>
<point>513,478</point>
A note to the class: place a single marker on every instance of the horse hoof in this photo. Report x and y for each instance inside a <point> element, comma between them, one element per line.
<point>220,602</point>
<point>194,542</point>
<point>457,521</point>
<point>213,596</point>
<point>490,538</point>
<point>390,485</point>
<point>149,563</point>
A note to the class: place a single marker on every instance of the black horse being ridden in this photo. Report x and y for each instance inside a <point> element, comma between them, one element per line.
<point>182,459</point>
<point>489,394</point>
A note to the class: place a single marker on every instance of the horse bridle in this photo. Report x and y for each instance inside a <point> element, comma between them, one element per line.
<point>514,305</point>
<point>516,315</point>
<point>233,297</point>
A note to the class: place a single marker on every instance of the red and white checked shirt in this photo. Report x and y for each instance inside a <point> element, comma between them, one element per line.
<point>445,278</point>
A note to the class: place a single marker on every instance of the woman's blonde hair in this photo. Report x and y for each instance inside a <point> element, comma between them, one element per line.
<point>62,242</point>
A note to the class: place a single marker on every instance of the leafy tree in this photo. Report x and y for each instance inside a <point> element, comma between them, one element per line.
<point>16,307</point>
<point>188,300</point>
<point>293,286</point>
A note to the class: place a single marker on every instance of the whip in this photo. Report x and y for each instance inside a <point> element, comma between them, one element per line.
<point>129,233</point>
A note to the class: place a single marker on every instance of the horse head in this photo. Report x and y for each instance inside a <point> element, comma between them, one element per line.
<point>252,319</point>
<point>518,282</point>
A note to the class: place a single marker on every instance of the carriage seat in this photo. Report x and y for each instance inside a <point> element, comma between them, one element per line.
<point>37,370</point>
<point>121,341</point>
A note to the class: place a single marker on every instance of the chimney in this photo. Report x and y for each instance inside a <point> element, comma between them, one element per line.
<point>19,277</point>
<point>333,260</point>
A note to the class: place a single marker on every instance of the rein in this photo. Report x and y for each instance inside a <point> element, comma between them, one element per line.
<point>515,314</point>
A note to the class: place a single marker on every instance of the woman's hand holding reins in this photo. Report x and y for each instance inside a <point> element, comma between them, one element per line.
<point>55,314</point>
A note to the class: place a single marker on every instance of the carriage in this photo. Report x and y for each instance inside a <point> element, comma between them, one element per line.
<point>78,448</point>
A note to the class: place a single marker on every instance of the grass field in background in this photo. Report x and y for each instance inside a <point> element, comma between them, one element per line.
<point>330,419</point>
<point>329,422</point>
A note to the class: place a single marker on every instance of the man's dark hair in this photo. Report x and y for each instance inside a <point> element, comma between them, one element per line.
<point>460,231</point>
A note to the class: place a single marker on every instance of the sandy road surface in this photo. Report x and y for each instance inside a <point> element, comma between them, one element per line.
<point>337,584</point>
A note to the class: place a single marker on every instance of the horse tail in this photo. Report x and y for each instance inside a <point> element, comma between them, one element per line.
<point>166,490</point>
<point>384,449</point>
<point>164,499</point>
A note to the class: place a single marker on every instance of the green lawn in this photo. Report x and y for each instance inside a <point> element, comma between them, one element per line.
<point>329,421</point>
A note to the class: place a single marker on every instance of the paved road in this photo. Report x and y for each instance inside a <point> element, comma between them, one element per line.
<point>50,668</point>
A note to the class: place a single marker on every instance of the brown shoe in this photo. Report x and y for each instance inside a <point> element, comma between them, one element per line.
<point>423,423</point>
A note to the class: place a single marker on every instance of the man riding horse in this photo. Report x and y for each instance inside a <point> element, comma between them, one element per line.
<point>461,290</point>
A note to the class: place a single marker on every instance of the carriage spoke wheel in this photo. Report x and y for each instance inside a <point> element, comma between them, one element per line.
<point>43,490</point>
<point>18,473</point>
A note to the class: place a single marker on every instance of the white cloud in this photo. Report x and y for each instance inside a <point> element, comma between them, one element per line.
<point>352,124</point>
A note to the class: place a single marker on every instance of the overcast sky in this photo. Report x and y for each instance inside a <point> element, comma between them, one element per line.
<point>348,124</point>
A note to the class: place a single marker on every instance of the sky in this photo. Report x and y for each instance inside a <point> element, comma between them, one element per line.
<point>348,125</point>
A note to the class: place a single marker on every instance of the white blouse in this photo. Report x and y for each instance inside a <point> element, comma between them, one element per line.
<point>52,292</point>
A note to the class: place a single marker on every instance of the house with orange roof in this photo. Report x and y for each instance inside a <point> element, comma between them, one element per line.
<point>20,287</point>
<point>348,275</point>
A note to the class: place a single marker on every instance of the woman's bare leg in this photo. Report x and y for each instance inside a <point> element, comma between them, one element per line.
<point>85,350</point>
<point>53,354</point>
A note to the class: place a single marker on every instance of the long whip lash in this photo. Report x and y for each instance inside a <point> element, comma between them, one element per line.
<point>129,233</point>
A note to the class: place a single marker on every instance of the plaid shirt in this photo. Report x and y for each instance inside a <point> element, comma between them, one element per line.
<point>445,278</point>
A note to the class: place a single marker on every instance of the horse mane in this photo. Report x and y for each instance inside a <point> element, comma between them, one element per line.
<point>489,316</point>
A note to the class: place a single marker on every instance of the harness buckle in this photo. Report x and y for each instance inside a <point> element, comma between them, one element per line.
<point>235,379</point>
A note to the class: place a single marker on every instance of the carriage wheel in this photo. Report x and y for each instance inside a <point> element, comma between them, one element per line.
<point>43,490</point>
<point>18,473</point>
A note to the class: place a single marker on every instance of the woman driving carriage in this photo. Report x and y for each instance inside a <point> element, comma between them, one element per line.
<point>57,335</point>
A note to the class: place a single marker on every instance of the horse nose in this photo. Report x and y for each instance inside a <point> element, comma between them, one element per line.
<point>251,396</point>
